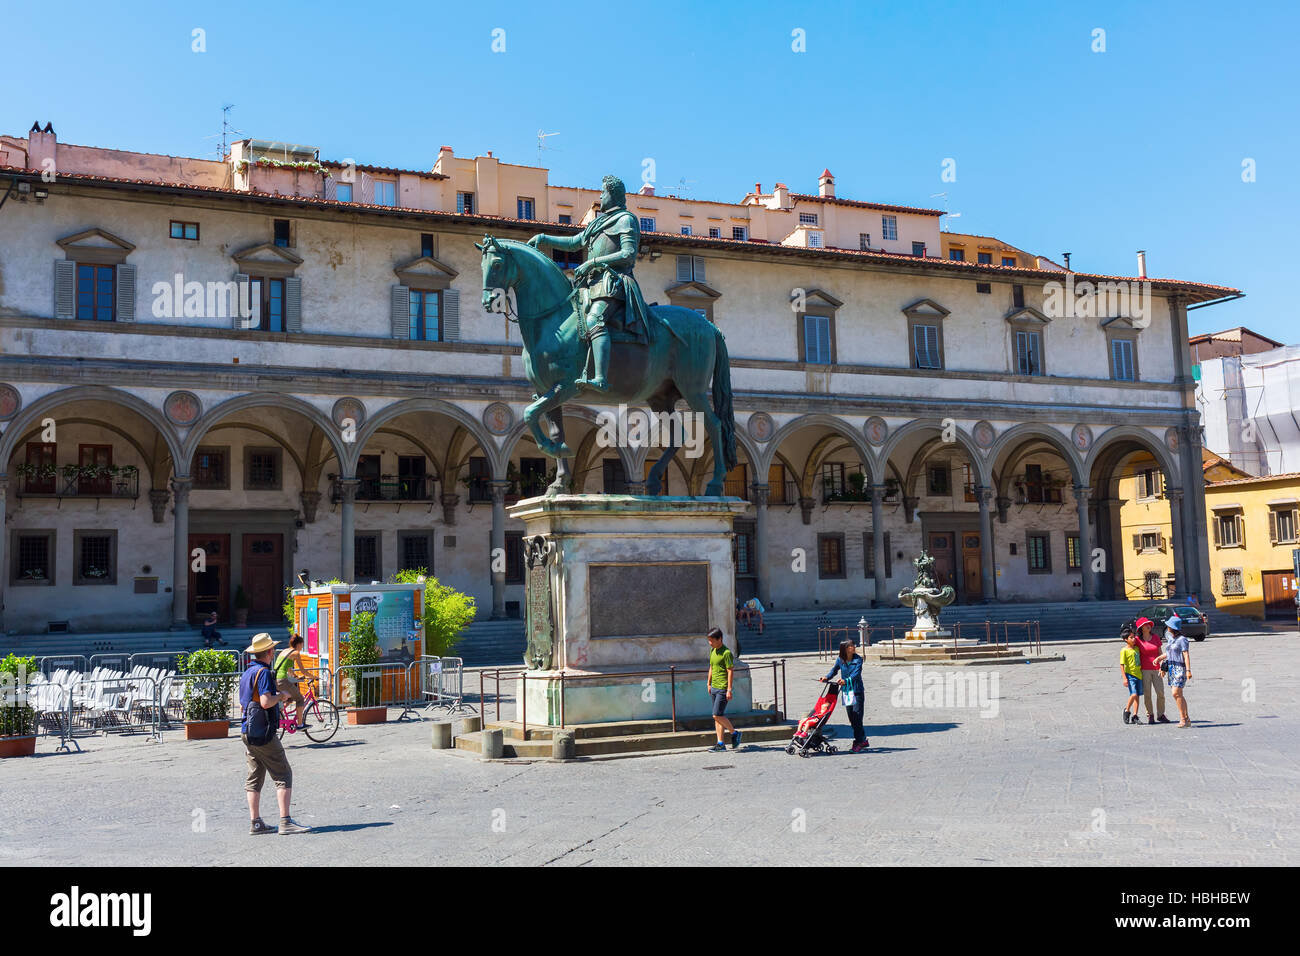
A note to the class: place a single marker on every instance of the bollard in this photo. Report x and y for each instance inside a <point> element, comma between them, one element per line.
<point>470,725</point>
<point>562,745</point>
<point>442,735</point>
<point>493,744</point>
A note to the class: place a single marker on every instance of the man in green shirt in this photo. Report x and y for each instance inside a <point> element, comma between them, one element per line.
<point>721,666</point>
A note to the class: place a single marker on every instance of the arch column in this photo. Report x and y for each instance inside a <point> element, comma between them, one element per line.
<point>1176,540</point>
<point>181,485</point>
<point>498,487</point>
<point>348,488</point>
<point>988,581</point>
<point>1082,495</point>
<point>760,493</point>
<point>878,541</point>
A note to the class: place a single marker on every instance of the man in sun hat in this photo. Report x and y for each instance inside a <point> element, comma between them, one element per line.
<point>260,730</point>
<point>1148,650</point>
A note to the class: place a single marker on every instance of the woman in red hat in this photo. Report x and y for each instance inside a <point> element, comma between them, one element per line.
<point>1148,651</point>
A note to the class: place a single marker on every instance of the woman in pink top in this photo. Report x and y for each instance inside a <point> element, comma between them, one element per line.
<point>1148,650</point>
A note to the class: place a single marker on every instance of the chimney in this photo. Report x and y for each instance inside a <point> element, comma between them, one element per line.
<point>1066,257</point>
<point>646,190</point>
<point>826,185</point>
<point>1142,263</point>
<point>444,155</point>
<point>758,189</point>
<point>781,196</point>
<point>42,145</point>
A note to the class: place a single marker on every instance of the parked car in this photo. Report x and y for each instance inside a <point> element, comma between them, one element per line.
<point>1195,624</point>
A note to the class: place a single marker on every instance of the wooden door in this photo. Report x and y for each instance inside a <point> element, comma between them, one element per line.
<point>972,579</point>
<point>210,588</point>
<point>941,549</point>
<point>262,575</point>
<point>95,456</point>
<point>1279,594</point>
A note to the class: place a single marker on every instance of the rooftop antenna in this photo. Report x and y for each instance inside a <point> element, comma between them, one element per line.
<point>946,213</point>
<point>226,130</point>
<point>683,186</point>
<point>541,144</point>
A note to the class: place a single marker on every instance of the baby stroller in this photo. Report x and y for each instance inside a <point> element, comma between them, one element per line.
<point>812,734</point>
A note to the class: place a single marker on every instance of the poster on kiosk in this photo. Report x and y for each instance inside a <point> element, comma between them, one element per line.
<point>324,612</point>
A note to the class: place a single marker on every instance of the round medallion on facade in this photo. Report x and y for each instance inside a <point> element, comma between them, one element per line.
<point>761,427</point>
<point>984,433</point>
<point>876,429</point>
<point>1081,436</point>
<point>349,408</point>
<point>182,408</point>
<point>10,402</point>
<point>1171,438</point>
<point>498,417</point>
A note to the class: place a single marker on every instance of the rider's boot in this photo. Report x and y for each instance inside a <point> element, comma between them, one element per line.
<point>599,362</point>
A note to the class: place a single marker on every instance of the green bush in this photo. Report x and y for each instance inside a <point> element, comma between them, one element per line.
<point>447,612</point>
<point>17,718</point>
<point>210,683</point>
<point>362,648</point>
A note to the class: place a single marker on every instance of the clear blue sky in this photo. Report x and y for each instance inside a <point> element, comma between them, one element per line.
<point>1057,148</point>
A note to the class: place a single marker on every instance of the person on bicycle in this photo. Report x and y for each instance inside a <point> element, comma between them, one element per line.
<point>288,672</point>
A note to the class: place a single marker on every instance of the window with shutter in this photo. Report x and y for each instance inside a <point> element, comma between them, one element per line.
<point>684,269</point>
<point>450,315</point>
<point>925,343</point>
<point>1028,353</point>
<point>125,293</point>
<point>425,315</point>
<point>65,289</point>
<point>293,304</point>
<point>1122,367</point>
<point>817,339</point>
<point>697,267</point>
<point>400,311</point>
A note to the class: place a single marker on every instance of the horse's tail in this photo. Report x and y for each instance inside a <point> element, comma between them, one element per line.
<point>722,400</point>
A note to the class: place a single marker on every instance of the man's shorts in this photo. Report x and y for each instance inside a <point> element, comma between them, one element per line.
<point>719,695</point>
<point>1134,684</point>
<point>267,758</point>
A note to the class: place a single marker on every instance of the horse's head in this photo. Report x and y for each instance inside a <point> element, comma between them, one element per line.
<point>499,272</point>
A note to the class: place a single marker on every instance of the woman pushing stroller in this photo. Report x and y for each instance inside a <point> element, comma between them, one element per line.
<point>848,665</point>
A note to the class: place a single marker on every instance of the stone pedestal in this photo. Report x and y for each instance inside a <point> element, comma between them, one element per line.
<point>620,592</point>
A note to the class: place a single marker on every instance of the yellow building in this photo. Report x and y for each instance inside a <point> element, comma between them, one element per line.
<point>1253,526</point>
<point>1253,533</point>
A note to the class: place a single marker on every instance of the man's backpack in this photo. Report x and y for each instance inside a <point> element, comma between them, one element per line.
<point>259,725</point>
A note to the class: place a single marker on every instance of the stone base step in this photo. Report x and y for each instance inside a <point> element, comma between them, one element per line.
<point>885,654</point>
<point>605,746</point>
<point>513,730</point>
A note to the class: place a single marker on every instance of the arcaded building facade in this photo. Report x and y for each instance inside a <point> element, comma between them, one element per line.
<point>214,375</point>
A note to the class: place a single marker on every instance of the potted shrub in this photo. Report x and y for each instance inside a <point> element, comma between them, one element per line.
<point>17,718</point>
<point>241,607</point>
<point>362,648</point>
<point>210,678</point>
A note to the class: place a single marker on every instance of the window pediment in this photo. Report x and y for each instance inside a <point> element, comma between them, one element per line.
<point>96,246</point>
<point>693,290</point>
<point>926,309</point>
<point>267,259</point>
<point>819,302</point>
<point>1124,323</point>
<point>1027,315</point>
<point>425,272</point>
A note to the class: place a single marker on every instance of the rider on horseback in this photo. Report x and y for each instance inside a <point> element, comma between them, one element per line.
<point>609,298</point>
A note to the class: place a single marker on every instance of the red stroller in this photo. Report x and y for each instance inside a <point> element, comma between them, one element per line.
<point>812,734</point>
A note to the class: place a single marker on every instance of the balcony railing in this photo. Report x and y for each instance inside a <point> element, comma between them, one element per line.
<point>387,489</point>
<point>104,484</point>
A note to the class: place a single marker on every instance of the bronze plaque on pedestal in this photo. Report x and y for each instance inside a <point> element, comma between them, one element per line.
<point>649,600</point>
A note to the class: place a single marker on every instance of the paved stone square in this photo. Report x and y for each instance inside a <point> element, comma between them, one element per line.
<point>1054,777</point>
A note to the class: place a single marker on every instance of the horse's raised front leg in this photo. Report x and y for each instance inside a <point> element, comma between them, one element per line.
<point>556,396</point>
<point>702,404</point>
<point>563,468</point>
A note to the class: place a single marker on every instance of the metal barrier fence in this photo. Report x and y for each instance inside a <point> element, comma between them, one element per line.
<point>443,679</point>
<point>122,704</point>
<point>61,662</point>
<point>378,685</point>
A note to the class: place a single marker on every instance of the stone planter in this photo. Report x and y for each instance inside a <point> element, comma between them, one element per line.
<point>367,715</point>
<point>17,746</point>
<point>207,729</point>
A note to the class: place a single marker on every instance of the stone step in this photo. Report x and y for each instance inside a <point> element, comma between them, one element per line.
<point>513,730</point>
<point>628,743</point>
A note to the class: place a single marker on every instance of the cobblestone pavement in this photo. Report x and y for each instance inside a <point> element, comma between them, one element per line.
<point>1051,776</point>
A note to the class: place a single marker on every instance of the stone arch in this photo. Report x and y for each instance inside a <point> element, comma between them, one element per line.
<point>32,414</point>
<point>973,452</point>
<point>837,425</point>
<point>1109,447</point>
<point>1011,446</point>
<point>298,460</point>
<point>462,418</point>
<point>519,431</point>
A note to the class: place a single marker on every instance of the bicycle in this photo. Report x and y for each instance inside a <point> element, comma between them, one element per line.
<point>323,712</point>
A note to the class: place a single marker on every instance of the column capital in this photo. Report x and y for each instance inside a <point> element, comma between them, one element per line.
<point>1082,491</point>
<point>1175,494</point>
<point>878,491</point>
<point>181,485</point>
<point>760,491</point>
<point>348,488</point>
<point>498,487</point>
<point>983,496</point>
